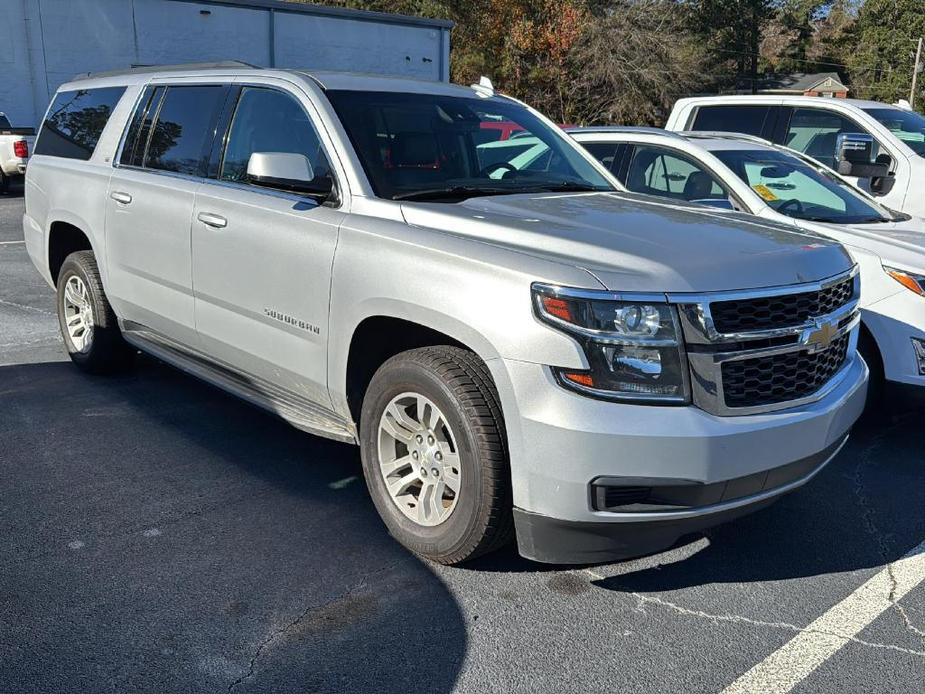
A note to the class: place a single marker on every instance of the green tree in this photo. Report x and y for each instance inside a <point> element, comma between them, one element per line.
<point>884,40</point>
<point>733,30</point>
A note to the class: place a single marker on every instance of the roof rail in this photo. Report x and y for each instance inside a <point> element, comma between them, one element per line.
<point>144,69</point>
<point>718,135</point>
<point>634,129</point>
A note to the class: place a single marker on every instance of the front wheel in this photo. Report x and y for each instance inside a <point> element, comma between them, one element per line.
<point>435,455</point>
<point>88,324</point>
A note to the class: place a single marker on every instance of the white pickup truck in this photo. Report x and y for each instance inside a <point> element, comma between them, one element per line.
<point>15,145</point>
<point>822,129</point>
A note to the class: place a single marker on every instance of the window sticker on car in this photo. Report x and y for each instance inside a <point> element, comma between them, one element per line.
<point>766,193</point>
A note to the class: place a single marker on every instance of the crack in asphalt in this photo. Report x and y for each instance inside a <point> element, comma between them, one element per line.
<point>867,515</point>
<point>738,619</point>
<point>280,632</point>
<point>24,307</point>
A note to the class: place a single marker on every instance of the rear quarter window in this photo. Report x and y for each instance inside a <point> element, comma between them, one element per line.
<point>75,122</point>
<point>749,120</point>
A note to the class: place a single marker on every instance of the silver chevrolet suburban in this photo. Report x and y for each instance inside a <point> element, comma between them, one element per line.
<point>517,349</point>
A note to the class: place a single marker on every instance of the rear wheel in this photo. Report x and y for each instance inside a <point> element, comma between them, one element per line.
<point>434,454</point>
<point>4,183</point>
<point>88,324</point>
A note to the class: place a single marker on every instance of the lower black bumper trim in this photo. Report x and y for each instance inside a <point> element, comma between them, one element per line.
<point>553,541</point>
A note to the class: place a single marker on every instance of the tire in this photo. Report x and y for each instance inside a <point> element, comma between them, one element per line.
<point>4,183</point>
<point>877,410</point>
<point>100,347</point>
<point>470,430</point>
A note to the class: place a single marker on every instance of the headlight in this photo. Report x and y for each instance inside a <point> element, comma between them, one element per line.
<point>910,280</point>
<point>633,345</point>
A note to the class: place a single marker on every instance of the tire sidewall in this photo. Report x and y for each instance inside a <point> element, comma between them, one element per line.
<point>456,531</point>
<point>73,268</point>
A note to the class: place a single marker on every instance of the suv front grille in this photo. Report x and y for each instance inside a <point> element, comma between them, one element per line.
<point>779,378</point>
<point>773,312</point>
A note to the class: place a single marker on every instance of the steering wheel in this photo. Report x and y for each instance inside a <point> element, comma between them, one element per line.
<point>794,203</point>
<point>499,165</point>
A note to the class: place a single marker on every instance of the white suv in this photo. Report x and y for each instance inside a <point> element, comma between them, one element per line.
<point>751,175</point>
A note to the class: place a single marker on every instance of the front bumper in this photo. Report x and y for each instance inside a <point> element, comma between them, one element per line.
<point>561,442</point>
<point>894,322</point>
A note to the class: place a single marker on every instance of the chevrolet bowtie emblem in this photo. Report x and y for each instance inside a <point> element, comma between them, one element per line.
<point>820,337</point>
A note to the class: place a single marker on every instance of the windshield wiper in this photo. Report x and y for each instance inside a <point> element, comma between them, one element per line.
<point>451,192</point>
<point>564,187</point>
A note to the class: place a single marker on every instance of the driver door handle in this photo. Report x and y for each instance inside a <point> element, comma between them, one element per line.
<point>212,220</point>
<point>123,198</point>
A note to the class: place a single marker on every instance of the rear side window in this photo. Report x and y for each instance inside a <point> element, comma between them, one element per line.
<point>75,122</point>
<point>4,122</point>
<point>136,139</point>
<point>750,120</point>
<point>180,139</point>
<point>608,153</point>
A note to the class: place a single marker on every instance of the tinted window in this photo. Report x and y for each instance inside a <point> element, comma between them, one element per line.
<point>815,132</point>
<point>75,122</point>
<point>133,149</point>
<point>732,119</point>
<point>266,120</point>
<point>181,136</point>
<point>661,172</point>
<point>427,145</point>
<point>608,153</point>
<point>5,122</point>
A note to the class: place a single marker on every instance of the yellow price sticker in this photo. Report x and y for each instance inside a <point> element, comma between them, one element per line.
<point>766,193</point>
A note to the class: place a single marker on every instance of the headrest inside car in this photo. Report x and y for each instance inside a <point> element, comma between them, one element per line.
<point>414,150</point>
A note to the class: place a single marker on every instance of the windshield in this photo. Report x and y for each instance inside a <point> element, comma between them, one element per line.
<point>434,147</point>
<point>794,188</point>
<point>907,126</point>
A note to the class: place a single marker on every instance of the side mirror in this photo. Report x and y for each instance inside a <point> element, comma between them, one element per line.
<point>854,156</point>
<point>287,171</point>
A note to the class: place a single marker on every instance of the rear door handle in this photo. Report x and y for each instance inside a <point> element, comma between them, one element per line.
<point>124,198</point>
<point>213,220</point>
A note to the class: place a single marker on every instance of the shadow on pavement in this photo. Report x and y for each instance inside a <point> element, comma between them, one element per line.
<point>866,509</point>
<point>158,535</point>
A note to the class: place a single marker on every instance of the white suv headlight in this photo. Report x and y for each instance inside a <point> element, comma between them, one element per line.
<point>910,280</point>
<point>633,343</point>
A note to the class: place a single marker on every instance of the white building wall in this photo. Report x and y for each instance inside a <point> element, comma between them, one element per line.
<point>44,43</point>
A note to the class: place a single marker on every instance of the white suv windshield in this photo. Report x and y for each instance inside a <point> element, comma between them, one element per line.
<point>794,188</point>
<point>907,126</point>
<point>446,148</point>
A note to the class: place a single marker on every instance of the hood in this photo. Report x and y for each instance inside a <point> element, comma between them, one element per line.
<point>899,244</point>
<point>636,243</point>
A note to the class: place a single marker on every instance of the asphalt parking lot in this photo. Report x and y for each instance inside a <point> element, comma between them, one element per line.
<point>160,536</point>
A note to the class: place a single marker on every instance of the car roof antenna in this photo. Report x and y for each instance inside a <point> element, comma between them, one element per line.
<point>484,87</point>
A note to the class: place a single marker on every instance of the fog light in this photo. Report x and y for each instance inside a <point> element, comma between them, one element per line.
<point>919,347</point>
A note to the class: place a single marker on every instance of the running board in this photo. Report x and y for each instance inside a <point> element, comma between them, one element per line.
<point>299,412</point>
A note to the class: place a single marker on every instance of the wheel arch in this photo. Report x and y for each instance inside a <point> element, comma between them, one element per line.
<point>67,235</point>
<point>378,336</point>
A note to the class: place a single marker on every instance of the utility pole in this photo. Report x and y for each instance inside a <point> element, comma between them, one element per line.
<point>915,73</point>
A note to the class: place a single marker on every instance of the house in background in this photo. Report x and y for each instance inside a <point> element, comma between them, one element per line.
<point>802,84</point>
